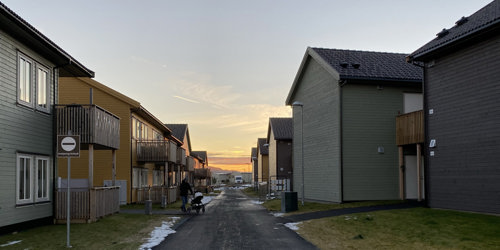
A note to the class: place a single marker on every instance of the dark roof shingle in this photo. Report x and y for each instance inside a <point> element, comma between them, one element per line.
<point>483,19</point>
<point>282,128</point>
<point>263,150</point>
<point>368,65</point>
<point>178,130</point>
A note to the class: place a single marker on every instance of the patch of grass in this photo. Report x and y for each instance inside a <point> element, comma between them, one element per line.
<point>120,231</point>
<point>275,205</point>
<point>416,228</point>
<point>250,191</point>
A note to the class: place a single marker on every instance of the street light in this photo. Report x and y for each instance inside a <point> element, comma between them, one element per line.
<point>301,105</point>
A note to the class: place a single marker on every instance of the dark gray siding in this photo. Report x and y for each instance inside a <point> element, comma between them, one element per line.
<point>369,113</point>
<point>319,92</point>
<point>463,89</point>
<point>22,130</point>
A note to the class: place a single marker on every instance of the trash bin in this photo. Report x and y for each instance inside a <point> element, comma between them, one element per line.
<point>148,207</point>
<point>289,202</point>
<point>163,201</point>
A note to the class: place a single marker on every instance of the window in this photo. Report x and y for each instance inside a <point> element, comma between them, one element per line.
<point>157,135</point>
<point>144,178</point>
<point>33,90</point>
<point>25,78</point>
<point>157,177</point>
<point>42,88</point>
<point>135,177</point>
<point>24,179</point>
<point>42,178</point>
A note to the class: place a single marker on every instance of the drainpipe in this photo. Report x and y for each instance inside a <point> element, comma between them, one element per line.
<point>342,83</point>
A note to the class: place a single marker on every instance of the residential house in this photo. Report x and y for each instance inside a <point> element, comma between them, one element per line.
<point>263,160</point>
<point>30,65</point>
<point>181,132</point>
<point>461,66</point>
<point>255,167</point>
<point>344,108</point>
<point>144,144</point>
<point>279,138</point>
<point>202,174</point>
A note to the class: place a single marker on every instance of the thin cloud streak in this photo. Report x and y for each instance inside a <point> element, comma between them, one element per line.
<point>185,99</point>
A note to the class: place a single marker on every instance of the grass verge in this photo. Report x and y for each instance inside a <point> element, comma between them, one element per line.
<point>275,205</point>
<point>120,231</point>
<point>416,228</point>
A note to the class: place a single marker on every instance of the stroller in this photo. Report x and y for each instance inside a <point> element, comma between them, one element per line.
<point>196,203</point>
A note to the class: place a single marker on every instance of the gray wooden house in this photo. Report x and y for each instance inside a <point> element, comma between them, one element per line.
<point>262,160</point>
<point>255,167</point>
<point>279,138</point>
<point>30,66</point>
<point>344,108</point>
<point>461,66</point>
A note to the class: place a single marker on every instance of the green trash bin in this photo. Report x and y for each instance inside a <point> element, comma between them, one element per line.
<point>289,202</point>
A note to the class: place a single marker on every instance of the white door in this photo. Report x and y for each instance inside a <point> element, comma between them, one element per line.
<point>411,177</point>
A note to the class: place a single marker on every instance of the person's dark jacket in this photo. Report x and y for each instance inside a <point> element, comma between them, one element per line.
<point>185,187</point>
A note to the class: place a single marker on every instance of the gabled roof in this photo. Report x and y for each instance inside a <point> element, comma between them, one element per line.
<point>24,32</point>
<point>282,128</point>
<point>201,155</point>
<point>359,65</point>
<point>254,153</point>
<point>180,131</point>
<point>466,28</point>
<point>260,146</point>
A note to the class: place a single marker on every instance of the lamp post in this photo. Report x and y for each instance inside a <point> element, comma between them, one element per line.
<point>301,105</point>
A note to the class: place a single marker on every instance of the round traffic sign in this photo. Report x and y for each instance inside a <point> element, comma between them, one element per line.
<point>68,144</point>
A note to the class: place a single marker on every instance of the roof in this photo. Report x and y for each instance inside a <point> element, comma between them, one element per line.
<point>180,131</point>
<point>282,128</point>
<point>484,20</point>
<point>260,145</point>
<point>24,32</point>
<point>201,154</point>
<point>360,65</point>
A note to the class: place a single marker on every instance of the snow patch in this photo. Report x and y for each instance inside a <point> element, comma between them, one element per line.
<point>159,234</point>
<point>293,225</point>
<point>10,243</point>
<point>257,202</point>
<point>278,214</point>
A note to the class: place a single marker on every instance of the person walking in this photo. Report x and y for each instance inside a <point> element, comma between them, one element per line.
<point>185,187</point>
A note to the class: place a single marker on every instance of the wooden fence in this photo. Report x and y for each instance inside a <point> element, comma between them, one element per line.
<point>87,205</point>
<point>155,193</point>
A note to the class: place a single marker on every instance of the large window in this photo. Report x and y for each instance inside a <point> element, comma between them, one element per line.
<point>33,177</point>
<point>157,177</point>
<point>33,90</point>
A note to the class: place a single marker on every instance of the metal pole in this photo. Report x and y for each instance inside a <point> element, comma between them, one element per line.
<point>68,217</point>
<point>302,148</point>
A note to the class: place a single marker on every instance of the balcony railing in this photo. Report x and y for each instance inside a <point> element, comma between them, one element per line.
<point>152,151</point>
<point>94,124</point>
<point>201,173</point>
<point>410,128</point>
<point>88,205</point>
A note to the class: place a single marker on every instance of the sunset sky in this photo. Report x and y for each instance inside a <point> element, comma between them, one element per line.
<point>225,66</point>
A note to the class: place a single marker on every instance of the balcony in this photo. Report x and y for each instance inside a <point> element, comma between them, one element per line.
<point>94,125</point>
<point>410,128</point>
<point>152,151</point>
<point>201,173</point>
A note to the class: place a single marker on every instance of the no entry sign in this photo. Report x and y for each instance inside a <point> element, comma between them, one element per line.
<point>68,146</point>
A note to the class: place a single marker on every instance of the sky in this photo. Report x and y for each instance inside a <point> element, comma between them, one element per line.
<point>225,67</point>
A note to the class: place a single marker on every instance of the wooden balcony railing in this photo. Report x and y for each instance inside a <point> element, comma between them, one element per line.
<point>87,205</point>
<point>201,173</point>
<point>410,128</point>
<point>155,193</point>
<point>94,124</point>
<point>152,151</point>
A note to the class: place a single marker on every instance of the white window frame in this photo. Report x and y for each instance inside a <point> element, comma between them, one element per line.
<point>36,92</point>
<point>144,177</point>
<point>42,92</point>
<point>45,185</point>
<point>136,180</point>
<point>157,177</point>
<point>27,190</point>
<point>21,98</point>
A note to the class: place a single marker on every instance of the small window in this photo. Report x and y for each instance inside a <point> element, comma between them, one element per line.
<point>42,88</point>
<point>42,171</point>
<point>135,177</point>
<point>144,177</point>
<point>24,179</point>
<point>25,79</point>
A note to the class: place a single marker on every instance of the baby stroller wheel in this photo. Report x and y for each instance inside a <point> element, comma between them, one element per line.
<point>203,209</point>
<point>188,210</point>
<point>197,210</point>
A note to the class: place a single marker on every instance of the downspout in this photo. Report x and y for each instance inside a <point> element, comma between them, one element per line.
<point>341,84</point>
<point>131,188</point>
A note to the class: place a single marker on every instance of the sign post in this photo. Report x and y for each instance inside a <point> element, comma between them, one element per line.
<point>68,146</point>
